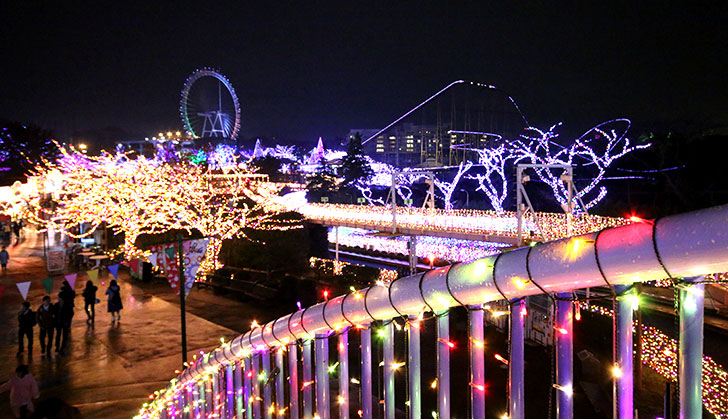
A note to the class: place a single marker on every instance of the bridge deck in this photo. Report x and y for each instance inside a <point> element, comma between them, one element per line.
<point>458,224</point>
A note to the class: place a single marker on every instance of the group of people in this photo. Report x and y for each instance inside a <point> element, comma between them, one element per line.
<point>7,230</point>
<point>55,318</point>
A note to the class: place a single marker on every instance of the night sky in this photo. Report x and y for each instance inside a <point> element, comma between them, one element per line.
<point>306,69</point>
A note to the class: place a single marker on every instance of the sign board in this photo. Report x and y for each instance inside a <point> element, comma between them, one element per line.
<point>408,202</point>
<point>324,199</point>
<point>56,260</point>
<point>360,200</point>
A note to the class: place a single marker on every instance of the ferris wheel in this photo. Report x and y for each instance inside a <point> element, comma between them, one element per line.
<point>209,106</point>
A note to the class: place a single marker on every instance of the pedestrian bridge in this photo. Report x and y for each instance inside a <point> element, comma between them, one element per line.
<point>475,225</point>
<point>281,369</point>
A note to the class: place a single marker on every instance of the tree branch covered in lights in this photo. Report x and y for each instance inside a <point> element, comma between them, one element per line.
<point>589,152</point>
<point>447,188</point>
<point>494,181</point>
<point>138,196</point>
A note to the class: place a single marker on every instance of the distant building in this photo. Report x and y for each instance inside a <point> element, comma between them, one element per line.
<point>411,145</point>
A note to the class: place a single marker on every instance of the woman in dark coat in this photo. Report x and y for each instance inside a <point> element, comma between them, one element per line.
<point>114,304</point>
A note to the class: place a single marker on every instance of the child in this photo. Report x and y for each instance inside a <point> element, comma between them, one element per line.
<point>23,389</point>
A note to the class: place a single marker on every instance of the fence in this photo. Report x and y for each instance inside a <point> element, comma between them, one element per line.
<point>227,381</point>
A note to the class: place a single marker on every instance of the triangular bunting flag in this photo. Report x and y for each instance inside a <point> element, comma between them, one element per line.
<point>48,284</point>
<point>158,257</point>
<point>114,269</point>
<point>194,253</point>
<point>71,278</point>
<point>171,252</point>
<point>134,266</point>
<point>171,267</point>
<point>93,274</point>
<point>23,287</point>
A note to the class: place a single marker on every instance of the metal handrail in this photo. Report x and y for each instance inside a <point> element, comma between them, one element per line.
<point>684,245</point>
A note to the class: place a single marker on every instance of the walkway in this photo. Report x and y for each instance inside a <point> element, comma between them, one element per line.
<point>109,370</point>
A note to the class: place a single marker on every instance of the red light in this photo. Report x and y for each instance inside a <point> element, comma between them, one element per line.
<point>501,359</point>
<point>477,386</point>
<point>446,342</point>
<point>561,330</point>
<point>326,294</point>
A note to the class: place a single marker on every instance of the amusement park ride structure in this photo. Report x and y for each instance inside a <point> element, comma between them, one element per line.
<point>200,121</point>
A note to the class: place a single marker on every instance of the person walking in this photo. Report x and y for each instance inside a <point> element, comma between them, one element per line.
<point>46,323</point>
<point>114,304</point>
<point>63,318</point>
<point>89,301</point>
<point>8,232</point>
<point>16,229</point>
<point>26,321</point>
<point>4,258</point>
<point>23,389</point>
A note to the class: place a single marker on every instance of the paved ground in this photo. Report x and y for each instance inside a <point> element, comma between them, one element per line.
<point>109,370</point>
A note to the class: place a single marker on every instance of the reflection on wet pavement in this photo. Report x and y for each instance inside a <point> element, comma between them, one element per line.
<point>109,370</point>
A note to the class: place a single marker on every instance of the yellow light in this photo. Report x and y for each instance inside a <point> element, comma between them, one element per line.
<point>82,146</point>
<point>479,268</point>
<point>169,133</point>
<point>178,133</point>
<point>576,245</point>
<point>433,384</point>
<point>519,283</point>
<point>616,372</point>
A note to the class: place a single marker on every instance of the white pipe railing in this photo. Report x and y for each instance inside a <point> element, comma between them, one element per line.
<point>684,245</point>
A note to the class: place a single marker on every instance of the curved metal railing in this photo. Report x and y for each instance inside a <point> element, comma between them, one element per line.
<point>683,245</point>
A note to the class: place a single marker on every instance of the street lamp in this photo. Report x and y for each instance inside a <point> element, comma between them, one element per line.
<point>83,147</point>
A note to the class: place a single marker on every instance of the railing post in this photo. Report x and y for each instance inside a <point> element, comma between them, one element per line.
<point>564,357</point>
<point>415,368</point>
<point>366,373</point>
<point>477,362</point>
<point>389,368</point>
<point>443,365</point>
<point>256,386</point>
<point>307,381</point>
<point>230,390</point>
<point>195,391</point>
<point>691,349</point>
<point>622,371</point>
<point>209,396</point>
<point>202,396</point>
<point>216,399</point>
<point>267,393</point>
<point>239,399</point>
<point>293,386</point>
<point>322,376</point>
<point>280,389</point>
<point>343,348</point>
<point>516,362</point>
<point>191,400</point>
<point>248,383</point>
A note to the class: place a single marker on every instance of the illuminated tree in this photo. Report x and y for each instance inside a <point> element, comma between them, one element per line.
<point>447,188</point>
<point>494,181</point>
<point>592,153</point>
<point>149,196</point>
